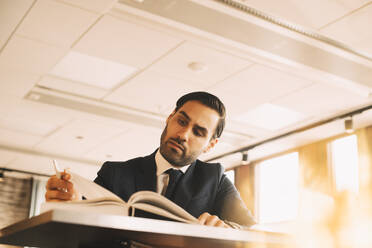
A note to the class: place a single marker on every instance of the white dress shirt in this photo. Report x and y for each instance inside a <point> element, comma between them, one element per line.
<point>162,165</point>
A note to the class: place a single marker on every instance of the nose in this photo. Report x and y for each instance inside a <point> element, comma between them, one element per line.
<point>184,134</point>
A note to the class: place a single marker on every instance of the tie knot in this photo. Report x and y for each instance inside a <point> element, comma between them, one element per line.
<point>173,172</point>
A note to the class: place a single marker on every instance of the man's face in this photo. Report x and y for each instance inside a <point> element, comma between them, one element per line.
<point>188,133</point>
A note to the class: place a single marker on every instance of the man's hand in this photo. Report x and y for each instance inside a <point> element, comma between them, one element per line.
<point>211,220</point>
<point>60,189</point>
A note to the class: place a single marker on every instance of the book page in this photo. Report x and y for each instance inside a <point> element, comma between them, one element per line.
<point>92,206</point>
<point>155,203</point>
<point>90,190</point>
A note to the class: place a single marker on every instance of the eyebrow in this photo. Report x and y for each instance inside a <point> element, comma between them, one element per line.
<point>202,129</point>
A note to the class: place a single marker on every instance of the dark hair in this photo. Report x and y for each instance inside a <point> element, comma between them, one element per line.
<point>210,101</point>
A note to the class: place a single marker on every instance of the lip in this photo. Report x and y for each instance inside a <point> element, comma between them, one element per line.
<point>175,144</point>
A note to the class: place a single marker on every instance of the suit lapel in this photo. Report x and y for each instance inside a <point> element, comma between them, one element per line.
<point>146,176</point>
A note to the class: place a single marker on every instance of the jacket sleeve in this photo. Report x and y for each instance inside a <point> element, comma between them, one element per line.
<point>230,207</point>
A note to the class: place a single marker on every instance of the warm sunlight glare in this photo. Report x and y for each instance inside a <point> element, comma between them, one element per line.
<point>345,163</point>
<point>277,189</point>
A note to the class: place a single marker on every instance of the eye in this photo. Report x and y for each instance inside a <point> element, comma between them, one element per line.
<point>197,132</point>
<point>182,122</point>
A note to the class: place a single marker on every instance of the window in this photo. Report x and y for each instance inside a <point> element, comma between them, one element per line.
<point>345,163</point>
<point>277,189</point>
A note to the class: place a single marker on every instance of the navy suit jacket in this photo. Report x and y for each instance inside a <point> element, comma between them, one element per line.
<point>203,187</point>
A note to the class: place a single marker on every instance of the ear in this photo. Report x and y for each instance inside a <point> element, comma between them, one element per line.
<point>211,144</point>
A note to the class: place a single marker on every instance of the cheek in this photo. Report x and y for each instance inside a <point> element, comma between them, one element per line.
<point>198,145</point>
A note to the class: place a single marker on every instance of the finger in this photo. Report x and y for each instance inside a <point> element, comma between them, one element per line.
<point>221,223</point>
<point>212,220</point>
<point>65,175</point>
<point>58,195</point>
<point>203,218</point>
<point>60,184</point>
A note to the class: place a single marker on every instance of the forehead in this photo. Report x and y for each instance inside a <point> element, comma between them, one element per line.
<point>200,114</point>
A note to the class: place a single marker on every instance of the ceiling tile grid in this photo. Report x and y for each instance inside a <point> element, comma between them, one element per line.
<point>98,6</point>
<point>32,163</point>
<point>256,85</point>
<point>11,13</point>
<point>152,91</point>
<point>353,30</point>
<point>28,110</point>
<point>321,98</point>
<point>78,137</point>
<point>18,139</point>
<point>125,42</point>
<point>56,23</point>
<point>30,56</point>
<point>138,141</point>
<point>6,157</point>
<point>15,82</point>
<point>199,63</point>
<point>33,126</point>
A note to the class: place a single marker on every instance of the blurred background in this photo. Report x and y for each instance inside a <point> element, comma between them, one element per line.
<point>85,81</point>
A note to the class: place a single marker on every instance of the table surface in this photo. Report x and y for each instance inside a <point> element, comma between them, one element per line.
<point>65,228</point>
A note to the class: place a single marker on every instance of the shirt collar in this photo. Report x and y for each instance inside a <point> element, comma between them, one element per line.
<point>162,164</point>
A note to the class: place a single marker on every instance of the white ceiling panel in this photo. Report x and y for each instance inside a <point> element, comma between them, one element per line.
<point>256,85</point>
<point>32,163</point>
<point>18,139</point>
<point>152,91</point>
<point>139,141</point>
<point>354,29</point>
<point>125,42</point>
<point>309,13</point>
<point>56,23</point>
<point>91,70</point>
<point>271,117</point>
<point>28,110</point>
<point>11,13</point>
<point>30,56</point>
<point>29,126</point>
<point>6,157</point>
<point>210,65</point>
<point>15,82</point>
<point>72,87</point>
<point>78,137</point>
<point>98,6</point>
<point>321,98</point>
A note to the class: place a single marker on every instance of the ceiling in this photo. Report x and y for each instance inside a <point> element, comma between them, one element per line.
<point>86,81</point>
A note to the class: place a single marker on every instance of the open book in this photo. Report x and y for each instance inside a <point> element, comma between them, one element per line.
<point>100,200</point>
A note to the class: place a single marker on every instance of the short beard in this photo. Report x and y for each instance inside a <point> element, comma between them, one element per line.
<point>168,154</point>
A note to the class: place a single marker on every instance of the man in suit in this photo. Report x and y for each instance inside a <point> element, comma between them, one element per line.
<point>173,170</point>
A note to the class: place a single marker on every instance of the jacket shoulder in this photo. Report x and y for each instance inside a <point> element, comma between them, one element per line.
<point>215,169</point>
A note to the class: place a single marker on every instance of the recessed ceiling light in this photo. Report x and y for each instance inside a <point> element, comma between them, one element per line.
<point>271,117</point>
<point>197,66</point>
<point>92,70</point>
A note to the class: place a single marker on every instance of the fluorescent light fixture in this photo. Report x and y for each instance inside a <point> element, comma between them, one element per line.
<point>270,116</point>
<point>92,70</point>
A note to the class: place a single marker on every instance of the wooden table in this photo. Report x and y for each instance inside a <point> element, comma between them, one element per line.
<point>62,228</point>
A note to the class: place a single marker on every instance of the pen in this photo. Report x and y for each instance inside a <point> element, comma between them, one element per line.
<point>56,168</point>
